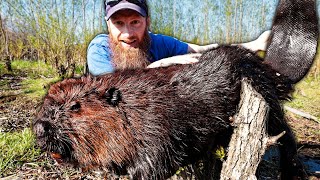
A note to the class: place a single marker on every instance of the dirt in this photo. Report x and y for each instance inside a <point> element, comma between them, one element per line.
<point>308,135</point>
<point>17,111</point>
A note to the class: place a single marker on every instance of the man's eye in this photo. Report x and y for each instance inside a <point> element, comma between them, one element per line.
<point>118,23</point>
<point>135,22</point>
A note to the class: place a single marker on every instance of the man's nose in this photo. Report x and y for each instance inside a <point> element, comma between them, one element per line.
<point>127,31</point>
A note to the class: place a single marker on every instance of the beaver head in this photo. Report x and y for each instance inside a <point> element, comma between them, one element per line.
<point>72,111</point>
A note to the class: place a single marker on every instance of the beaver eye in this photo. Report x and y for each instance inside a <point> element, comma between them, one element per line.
<point>75,107</point>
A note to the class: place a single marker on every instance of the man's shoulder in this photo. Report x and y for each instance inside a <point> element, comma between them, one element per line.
<point>100,39</point>
<point>159,36</point>
<point>163,46</point>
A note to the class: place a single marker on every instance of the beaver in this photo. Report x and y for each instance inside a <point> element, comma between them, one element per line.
<point>149,122</point>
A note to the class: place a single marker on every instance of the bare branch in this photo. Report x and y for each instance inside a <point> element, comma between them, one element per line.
<point>302,114</point>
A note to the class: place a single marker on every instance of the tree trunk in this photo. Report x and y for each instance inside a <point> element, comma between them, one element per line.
<point>249,140</point>
<point>94,14</point>
<point>6,46</point>
<point>84,15</point>
<point>235,18</point>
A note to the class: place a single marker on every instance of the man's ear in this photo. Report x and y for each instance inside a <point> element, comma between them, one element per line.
<point>108,25</point>
<point>107,21</point>
<point>148,22</point>
<point>113,96</point>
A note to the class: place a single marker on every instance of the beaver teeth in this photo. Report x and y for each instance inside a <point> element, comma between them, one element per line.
<point>57,157</point>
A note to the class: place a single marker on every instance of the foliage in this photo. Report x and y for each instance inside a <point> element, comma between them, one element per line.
<point>52,35</point>
<point>220,153</point>
<point>221,21</point>
<point>16,148</point>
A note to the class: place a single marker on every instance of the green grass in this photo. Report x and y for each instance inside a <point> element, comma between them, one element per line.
<point>33,69</point>
<point>37,88</point>
<point>307,96</point>
<point>4,83</point>
<point>2,68</point>
<point>37,76</point>
<point>79,70</point>
<point>16,148</point>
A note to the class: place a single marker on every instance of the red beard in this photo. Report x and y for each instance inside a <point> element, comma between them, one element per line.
<point>131,58</point>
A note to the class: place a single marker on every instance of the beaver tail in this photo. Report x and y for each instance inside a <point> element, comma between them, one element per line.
<point>294,36</point>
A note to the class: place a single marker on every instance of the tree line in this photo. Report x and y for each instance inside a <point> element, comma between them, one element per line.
<point>58,31</point>
<point>54,31</point>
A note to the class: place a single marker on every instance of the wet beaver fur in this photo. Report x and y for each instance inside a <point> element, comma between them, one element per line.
<point>150,122</point>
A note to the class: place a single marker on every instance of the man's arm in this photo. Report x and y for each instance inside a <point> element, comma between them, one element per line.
<point>194,48</point>
<point>98,56</point>
<point>259,44</point>
<point>179,59</point>
<point>195,51</point>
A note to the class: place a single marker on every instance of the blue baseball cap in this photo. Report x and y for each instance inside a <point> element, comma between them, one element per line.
<point>114,6</point>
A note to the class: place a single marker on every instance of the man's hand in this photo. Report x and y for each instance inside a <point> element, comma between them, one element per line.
<point>259,44</point>
<point>181,59</point>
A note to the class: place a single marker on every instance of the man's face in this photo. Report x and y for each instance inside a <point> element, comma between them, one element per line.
<point>129,39</point>
<point>128,27</point>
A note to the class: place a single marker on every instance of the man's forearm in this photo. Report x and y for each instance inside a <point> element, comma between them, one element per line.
<point>259,44</point>
<point>180,59</point>
<point>193,48</point>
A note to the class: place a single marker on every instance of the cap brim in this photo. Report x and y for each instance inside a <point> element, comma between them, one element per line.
<point>125,5</point>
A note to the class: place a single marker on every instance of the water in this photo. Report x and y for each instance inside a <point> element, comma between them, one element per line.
<point>311,165</point>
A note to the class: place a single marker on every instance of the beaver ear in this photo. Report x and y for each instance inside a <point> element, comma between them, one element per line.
<point>113,96</point>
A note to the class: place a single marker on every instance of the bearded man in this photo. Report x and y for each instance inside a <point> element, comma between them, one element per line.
<point>130,45</point>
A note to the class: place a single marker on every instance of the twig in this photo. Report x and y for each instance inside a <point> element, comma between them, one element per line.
<point>302,114</point>
<point>3,118</point>
<point>10,93</point>
<point>274,139</point>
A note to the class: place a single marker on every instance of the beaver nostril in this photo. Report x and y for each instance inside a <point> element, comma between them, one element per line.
<point>41,128</point>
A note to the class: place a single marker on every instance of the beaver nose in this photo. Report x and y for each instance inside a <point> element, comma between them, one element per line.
<point>41,129</point>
